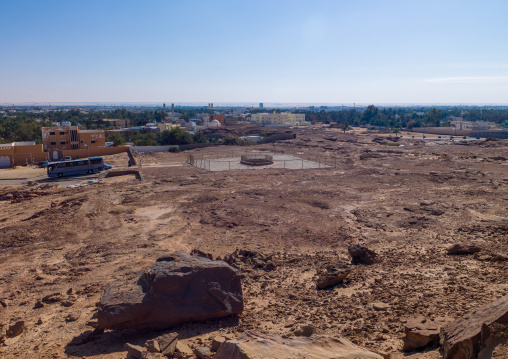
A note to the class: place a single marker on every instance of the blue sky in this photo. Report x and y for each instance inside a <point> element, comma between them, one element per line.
<point>362,51</point>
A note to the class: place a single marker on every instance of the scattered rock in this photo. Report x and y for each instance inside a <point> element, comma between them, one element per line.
<point>203,353</point>
<point>167,343</point>
<point>73,316</point>
<point>4,302</point>
<point>332,275</point>
<point>420,332</point>
<point>216,342</point>
<point>253,345</point>
<point>475,331</point>
<point>152,346</point>
<point>304,331</point>
<point>183,351</point>
<point>379,306</point>
<point>38,304</point>
<point>177,288</point>
<point>39,321</point>
<point>16,329</point>
<point>150,355</point>
<point>362,255</point>
<point>462,248</point>
<point>55,297</point>
<point>134,351</point>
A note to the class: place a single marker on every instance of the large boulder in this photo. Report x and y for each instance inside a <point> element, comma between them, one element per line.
<point>421,332</point>
<point>476,333</point>
<point>362,255</point>
<point>177,288</point>
<point>254,345</point>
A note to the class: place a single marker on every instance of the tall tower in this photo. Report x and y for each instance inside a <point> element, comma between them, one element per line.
<point>164,107</point>
<point>173,107</point>
<point>260,105</point>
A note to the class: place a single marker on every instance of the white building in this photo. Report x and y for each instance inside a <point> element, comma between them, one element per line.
<point>279,119</point>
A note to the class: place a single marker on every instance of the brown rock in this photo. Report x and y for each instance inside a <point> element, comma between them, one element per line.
<point>152,346</point>
<point>379,306</point>
<point>362,255</point>
<point>216,342</point>
<point>16,329</point>
<point>203,353</point>
<point>134,351</point>
<point>182,350</point>
<point>150,355</point>
<point>176,289</point>
<point>332,275</point>
<point>55,297</point>
<point>462,248</point>
<point>73,316</point>
<point>167,343</point>
<point>420,332</point>
<point>475,331</point>
<point>304,331</point>
<point>254,345</point>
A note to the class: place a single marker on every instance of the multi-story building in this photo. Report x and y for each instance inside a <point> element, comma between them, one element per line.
<point>68,137</point>
<point>279,119</point>
<point>118,124</point>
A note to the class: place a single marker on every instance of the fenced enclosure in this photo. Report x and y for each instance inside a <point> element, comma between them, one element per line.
<point>245,160</point>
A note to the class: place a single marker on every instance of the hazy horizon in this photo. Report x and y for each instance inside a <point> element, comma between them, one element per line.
<point>390,52</point>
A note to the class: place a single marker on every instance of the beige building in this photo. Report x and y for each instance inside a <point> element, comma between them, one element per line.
<point>71,138</point>
<point>166,126</point>
<point>279,119</point>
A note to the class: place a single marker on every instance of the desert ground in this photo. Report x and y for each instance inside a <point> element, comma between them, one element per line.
<point>406,199</point>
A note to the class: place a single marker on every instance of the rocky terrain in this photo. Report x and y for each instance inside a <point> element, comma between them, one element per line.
<point>285,231</point>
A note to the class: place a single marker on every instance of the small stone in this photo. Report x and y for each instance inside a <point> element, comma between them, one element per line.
<point>216,342</point>
<point>203,353</point>
<point>55,297</point>
<point>183,349</point>
<point>73,317</point>
<point>304,331</point>
<point>150,355</point>
<point>16,329</point>
<point>134,350</point>
<point>152,346</point>
<point>379,306</point>
<point>462,248</point>
<point>39,321</point>
<point>38,304</point>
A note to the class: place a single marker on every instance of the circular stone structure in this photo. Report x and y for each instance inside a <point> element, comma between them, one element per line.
<point>256,160</point>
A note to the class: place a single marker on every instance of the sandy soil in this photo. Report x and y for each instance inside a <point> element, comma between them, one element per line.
<point>408,203</point>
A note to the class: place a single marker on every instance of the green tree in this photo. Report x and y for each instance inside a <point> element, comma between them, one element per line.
<point>117,139</point>
<point>175,136</point>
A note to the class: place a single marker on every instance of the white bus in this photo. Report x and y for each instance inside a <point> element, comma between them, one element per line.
<point>76,167</point>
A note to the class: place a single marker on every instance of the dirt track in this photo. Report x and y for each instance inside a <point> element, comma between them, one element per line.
<point>407,203</point>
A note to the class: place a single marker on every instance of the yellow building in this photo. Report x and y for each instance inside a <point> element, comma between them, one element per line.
<point>20,153</point>
<point>280,119</point>
<point>71,138</point>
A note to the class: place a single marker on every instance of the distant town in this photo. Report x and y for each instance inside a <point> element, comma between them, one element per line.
<point>33,133</point>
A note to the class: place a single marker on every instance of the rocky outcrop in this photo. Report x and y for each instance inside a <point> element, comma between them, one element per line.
<point>332,275</point>
<point>177,288</point>
<point>421,332</point>
<point>478,331</point>
<point>462,248</point>
<point>362,255</point>
<point>269,346</point>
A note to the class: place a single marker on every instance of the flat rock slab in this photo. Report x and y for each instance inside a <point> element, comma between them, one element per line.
<point>420,332</point>
<point>468,335</point>
<point>178,288</point>
<point>463,248</point>
<point>254,345</point>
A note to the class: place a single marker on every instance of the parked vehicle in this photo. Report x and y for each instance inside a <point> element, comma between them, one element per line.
<point>75,167</point>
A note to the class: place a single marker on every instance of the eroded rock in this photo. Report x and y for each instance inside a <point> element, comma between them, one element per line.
<point>177,288</point>
<point>332,275</point>
<point>362,255</point>
<point>475,331</point>
<point>421,332</point>
<point>463,248</point>
<point>254,345</point>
